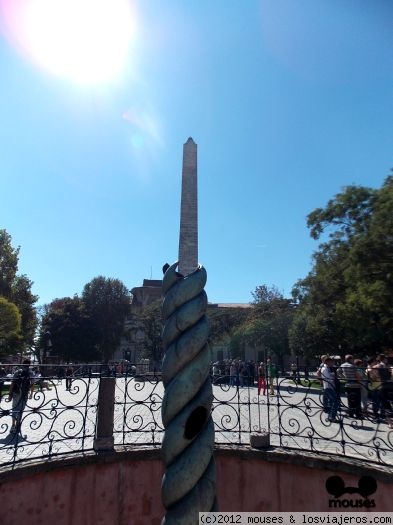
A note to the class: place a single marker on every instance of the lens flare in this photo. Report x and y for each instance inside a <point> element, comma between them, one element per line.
<point>85,41</point>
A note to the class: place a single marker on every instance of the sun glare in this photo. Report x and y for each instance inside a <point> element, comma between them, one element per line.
<point>86,41</point>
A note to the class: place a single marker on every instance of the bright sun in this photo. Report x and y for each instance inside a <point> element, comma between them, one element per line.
<point>86,41</point>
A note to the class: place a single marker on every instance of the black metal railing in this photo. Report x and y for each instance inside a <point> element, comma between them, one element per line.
<point>57,417</point>
<point>61,416</point>
<point>137,415</point>
<point>295,413</point>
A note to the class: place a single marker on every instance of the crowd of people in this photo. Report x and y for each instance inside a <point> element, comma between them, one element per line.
<point>368,386</point>
<point>239,373</point>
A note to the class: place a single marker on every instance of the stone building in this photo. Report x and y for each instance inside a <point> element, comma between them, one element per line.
<point>132,342</point>
<point>144,295</point>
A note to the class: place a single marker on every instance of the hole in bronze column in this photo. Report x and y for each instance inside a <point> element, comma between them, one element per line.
<point>195,422</point>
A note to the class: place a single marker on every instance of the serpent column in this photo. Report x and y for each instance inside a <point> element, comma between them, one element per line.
<point>188,485</point>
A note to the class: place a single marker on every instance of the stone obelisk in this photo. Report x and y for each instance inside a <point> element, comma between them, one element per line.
<point>189,482</point>
<point>188,240</point>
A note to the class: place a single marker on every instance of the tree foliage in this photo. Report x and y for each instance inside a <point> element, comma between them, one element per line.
<point>346,301</point>
<point>9,257</point>
<point>17,290</point>
<point>67,331</point>
<point>267,324</point>
<point>107,303</point>
<point>224,321</point>
<point>151,323</point>
<point>86,328</point>
<point>9,322</point>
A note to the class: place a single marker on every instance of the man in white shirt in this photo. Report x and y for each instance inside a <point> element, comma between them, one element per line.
<point>329,388</point>
<point>349,372</point>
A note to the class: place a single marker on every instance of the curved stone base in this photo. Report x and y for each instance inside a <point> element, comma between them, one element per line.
<point>123,487</point>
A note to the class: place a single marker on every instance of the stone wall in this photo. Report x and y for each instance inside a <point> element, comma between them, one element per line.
<point>123,488</point>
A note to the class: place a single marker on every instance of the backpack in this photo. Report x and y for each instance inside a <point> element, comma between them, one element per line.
<point>22,381</point>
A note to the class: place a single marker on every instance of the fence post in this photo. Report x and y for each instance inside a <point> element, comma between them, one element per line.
<point>260,440</point>
<point>104,440</point>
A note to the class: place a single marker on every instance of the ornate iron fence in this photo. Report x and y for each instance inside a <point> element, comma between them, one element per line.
<point>137,417</point>
<point>61,416</point>
<point>57,417</point>
<point>295,413</point>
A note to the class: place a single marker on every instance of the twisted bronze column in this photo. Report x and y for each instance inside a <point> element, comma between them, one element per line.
<point>188,485</point>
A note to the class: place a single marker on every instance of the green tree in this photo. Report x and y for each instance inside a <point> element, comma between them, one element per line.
<point>315,329</point>
<point>23,297</point>
<point>223,322</point>
<point>267,324</point>
<point>17,289</point>
<point>67,331</point>
<point>9,257</point>
<point>10,323</point>
<point>107,303</point>
<point>151,319</point>
<point>347,299</point>
<point>268,299</point>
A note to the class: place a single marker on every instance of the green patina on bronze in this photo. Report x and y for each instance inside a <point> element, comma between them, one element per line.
<point>188,485</point>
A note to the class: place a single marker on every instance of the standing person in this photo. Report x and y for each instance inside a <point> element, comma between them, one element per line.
<point>325,400</point>
<point>232,373</point>
<point>320,366</point>
<point>360,366</point>
<point>21,388</point>
<point>294,372</point>
<point>251,373</point>
<point>243,373</point>
<point>69,372</point>
<point>261,378</point>
<point>271,374</point>
<point>348,371</point>
<point>385,388</point>
<point>329,380</point>
<point>374,384</point>
<point>60,374</point>
<point>38,379</point>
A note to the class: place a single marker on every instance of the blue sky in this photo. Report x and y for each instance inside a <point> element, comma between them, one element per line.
<point>288,102</point>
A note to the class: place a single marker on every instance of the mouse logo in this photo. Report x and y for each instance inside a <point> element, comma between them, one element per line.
<point>335,486</point>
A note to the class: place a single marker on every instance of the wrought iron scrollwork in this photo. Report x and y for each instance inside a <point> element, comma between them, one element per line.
<point>54,421</point>
<point>57,421</point>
